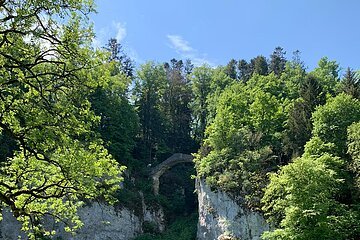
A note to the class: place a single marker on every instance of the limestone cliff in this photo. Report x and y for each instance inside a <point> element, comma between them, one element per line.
<point>101,222</point>
<point>220,217</point>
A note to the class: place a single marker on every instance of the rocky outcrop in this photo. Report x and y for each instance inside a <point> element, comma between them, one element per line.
<point>104,222</point>
<point>9,226</point>
<point>220,217</point>
<point>101,222</point>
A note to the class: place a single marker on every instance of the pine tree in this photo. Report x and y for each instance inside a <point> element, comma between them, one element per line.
<point>244,70</point>
<point>277,61</point>
<point>259,65</point>
<point>230,69</point>
<point>351,83</point>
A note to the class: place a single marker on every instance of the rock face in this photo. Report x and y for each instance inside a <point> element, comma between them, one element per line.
<point>9,226</point>
<point>222,218</point>
<point>101,222</point>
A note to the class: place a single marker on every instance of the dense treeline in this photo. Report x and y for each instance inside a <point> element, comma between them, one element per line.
<point>298,128</point>
<point>252,119</point>
<point>276,137</point>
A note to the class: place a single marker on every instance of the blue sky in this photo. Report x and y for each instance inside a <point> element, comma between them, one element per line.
<point>214,31</point>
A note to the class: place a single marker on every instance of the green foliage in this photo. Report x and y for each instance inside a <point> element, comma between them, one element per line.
<point>293,77</point>
<point>257,120</point>
<point>314,197</point>
<point>117,55</point>
<point>177,100</point>
<point>232,106</point>
<point>301,200</point>
<point>130,199</point>
<point>177,190</point>
<point>328,73</point>
<point>267,114</point>
<point>350,84</point>
<point>183,228</point>
<point>259,65</point>
<point>245,70</point>
<point>230,69</point>
<point>277,61</point>
<point>255,125</point>
<point>219,82</point>
<point>299,124</point>
<point>65,113</point>
<point>162,97</point>
<point>354,149</point>
<point>119,121</point>
<point>149,228</point>
<point>47,76</point>
<point>201,80</point>
<point>149,89</point>
<point>244,137</point>
<point>331,122</point>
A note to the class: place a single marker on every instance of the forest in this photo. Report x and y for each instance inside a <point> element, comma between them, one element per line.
<point>79,123</point>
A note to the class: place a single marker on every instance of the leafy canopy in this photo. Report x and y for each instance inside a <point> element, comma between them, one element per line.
<point>48,71</point>
<point>314,197</point>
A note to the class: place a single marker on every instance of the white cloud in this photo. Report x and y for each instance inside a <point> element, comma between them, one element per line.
<point>198,61</point>
<point>117,30</point>
<point>179,44</point>
<point>120,31</point>
<point>102,36</point>
<point>183,48</point>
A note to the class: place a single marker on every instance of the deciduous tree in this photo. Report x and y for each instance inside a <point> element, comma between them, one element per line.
<point>201,80</point>
<point>48,72</point>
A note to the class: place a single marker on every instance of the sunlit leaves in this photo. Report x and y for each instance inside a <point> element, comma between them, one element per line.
<point>48,72</point>
<point>331,122</point>
<point>314,196</point>
<point>244,136</point>
<point>300,200</point>
<point>354,149</point>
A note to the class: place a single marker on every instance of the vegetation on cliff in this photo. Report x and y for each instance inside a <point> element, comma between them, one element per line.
<point>276,137</point>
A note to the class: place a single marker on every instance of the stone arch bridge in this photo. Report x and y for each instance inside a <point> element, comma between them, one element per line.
<point>161,168</point>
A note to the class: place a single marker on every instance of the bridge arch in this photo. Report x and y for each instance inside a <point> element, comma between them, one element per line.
<point>161,168</point>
